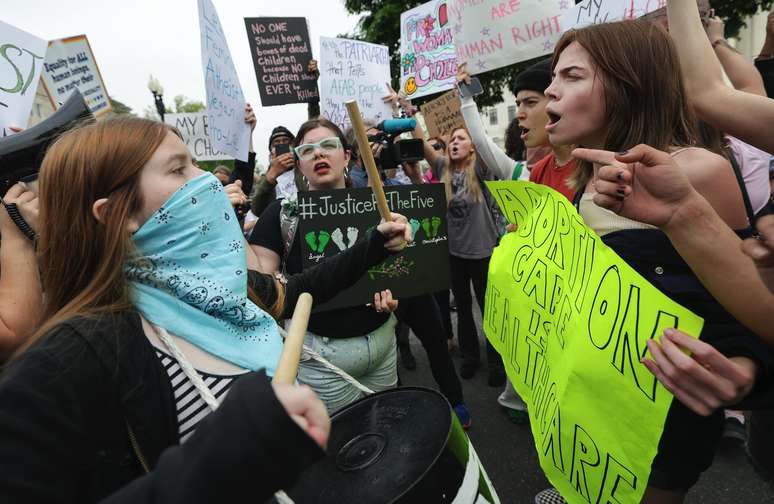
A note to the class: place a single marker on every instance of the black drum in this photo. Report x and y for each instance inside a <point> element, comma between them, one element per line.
<point>398,446</point>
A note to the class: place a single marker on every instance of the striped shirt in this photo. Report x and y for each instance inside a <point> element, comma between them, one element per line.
<point>190,406</point>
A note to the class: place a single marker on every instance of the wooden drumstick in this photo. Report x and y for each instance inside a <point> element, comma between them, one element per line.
<point>368,158</point>
<point>287,367</point>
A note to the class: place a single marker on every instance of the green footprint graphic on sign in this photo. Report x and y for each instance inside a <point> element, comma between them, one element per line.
<point>431,226</point>
<point>414,227</point>
<point>436,225</point>
<point>317,242</point>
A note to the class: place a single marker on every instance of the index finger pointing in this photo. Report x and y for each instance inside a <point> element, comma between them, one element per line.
<point>597,156</point>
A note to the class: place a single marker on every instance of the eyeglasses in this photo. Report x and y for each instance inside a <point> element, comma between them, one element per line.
<point>437,146</point>
<point>306,152</point>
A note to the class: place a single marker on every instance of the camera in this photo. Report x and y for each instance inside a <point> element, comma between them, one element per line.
<point>400,151</point>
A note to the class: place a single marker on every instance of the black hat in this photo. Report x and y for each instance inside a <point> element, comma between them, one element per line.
<point>535,78</point>
<point>280,132</point>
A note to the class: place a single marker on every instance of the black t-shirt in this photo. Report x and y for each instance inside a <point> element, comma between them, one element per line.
<point>341,323</point>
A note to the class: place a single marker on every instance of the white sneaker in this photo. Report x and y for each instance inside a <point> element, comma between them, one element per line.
<point>510,399</point>
<point>549,496</point>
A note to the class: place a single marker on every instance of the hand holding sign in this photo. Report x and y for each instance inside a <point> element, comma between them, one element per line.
<point>703,381</point>
<point>643,183</point>
<point>250,117</point>
<point>396,230</point>
<point>462,74</point>
<point>384,303</point>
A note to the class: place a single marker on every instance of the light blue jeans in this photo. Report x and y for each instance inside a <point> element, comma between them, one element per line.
<point>370,359</point>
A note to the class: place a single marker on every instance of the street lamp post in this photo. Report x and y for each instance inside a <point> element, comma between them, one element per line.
<point>155,88</point>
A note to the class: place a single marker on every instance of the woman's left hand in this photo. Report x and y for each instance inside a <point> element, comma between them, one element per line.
<point>313,68</point>
<point>462,74</point>
<point>250,117</point>
<point>704,381</point>
<point>384,303</point>
<point>235,194</point>
<point>716,29</point>
<point>391,98</point>
<point>397,232</point>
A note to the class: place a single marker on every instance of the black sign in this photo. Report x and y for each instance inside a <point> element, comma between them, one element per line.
<point>332,221</point>
<point>281,54</point>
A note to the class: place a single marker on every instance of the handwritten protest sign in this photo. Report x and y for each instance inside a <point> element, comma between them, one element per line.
<point>492,34</point>
<point>21,58</point>
<point>570,319</point>
<point>196,135</point>
<point>443,114</point>
<point>332,221</point>
<point>70,65</point>
<point>281,54</point>
<point>590,12</point>
<point>225,101</point>
<point>353,70</point>
<point>428,60</point>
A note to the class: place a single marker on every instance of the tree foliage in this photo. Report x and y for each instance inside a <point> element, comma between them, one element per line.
<point>380,23</point>
<point>181,105</point>
<point>184,105</point>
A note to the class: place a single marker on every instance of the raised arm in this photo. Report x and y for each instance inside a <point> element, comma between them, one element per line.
<point>739,114</point>
<point>431,155</point>
<point>740,71</point>
<point>493,157</point>
<point>244,171</point>
<point>764,62</point>
<point>313,105</point>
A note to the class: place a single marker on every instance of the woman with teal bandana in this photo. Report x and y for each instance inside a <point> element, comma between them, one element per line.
<point>152,322</point>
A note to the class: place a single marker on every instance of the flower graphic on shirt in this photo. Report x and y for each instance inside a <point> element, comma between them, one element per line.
<point>216,187</point>
<point>204,227</point>
<point>235,245</point>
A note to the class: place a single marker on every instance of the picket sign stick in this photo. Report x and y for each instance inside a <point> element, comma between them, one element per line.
<point>287,367</point>
<point>368,158</point>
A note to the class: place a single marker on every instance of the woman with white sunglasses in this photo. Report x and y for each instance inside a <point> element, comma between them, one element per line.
<point>359,340</point>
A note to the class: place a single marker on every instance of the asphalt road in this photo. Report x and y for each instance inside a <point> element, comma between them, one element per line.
<point>508,454</point>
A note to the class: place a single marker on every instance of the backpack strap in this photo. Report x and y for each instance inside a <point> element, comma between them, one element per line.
<point>742,187</point>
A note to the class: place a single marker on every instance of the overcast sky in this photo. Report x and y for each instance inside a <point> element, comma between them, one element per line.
<point>135,38</point>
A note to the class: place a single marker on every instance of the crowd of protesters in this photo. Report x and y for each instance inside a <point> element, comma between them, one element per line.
<point>142,298</point>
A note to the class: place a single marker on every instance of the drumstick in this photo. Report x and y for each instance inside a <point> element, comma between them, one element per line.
<point>368,158</point>
<point>364,146</point>
<point>287,367</point>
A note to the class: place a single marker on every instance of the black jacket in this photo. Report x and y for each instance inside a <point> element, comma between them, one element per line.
<point>70,406</point>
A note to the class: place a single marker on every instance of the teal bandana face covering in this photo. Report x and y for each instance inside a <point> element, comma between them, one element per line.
<point>190,277</point>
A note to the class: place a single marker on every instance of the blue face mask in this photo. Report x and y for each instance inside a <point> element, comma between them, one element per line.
<point>190,277</point>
